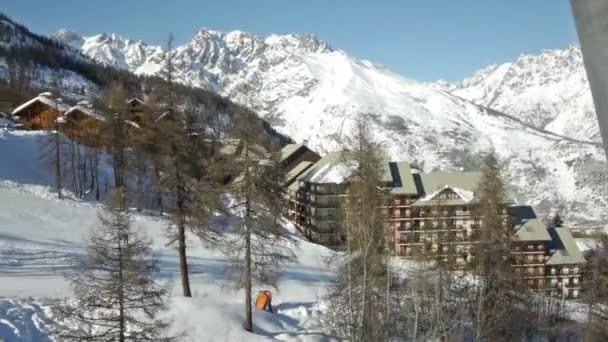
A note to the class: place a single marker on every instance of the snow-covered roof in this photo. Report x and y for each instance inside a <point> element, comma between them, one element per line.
<point>526,225</point>
<point>334,173</point>
<point>132,124</point>
<point>162,116</point>
<point>399,176</point>
<point>331,169</point>
<point>135,99</point>
<point>566,249</point>
<point>465,196</point>
<point>45,98</point>
<point>85,109</point>
<point>296,171</point>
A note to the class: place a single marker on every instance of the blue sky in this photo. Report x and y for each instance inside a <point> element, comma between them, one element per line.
<point>420,39</point>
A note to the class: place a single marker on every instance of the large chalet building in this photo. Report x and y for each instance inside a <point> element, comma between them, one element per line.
<point>40,112</point>
<point>433,214</point>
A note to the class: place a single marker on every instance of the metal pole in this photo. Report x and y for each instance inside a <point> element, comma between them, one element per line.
<point>591,19</point>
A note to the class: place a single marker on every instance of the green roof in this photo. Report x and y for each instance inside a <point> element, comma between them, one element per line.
<point>566,249</point>
<point>329,159</point>
<point>333,157</point>
<point>532,230</point>
<point>399,175</point>
<point>288,150</point>
<point>433,181</point>
<point>296,171</point>
<point>526,225</point>
<point>459,182</point>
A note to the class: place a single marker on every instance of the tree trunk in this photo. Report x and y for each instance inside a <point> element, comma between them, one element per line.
<point>350,281</point>
<point>158,193</point>
<point>121,299</point>
<point>388,302</point>
<point>181,227</point>
<point>415,329</point>
<point>183,261</point>
<point>362,320</point>
<point>58,162</point>
<point>248,299</point>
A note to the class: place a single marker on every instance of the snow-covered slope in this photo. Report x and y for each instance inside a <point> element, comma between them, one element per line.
<point>40,236</point>
<point>313,92</point>
<point>549,91</point>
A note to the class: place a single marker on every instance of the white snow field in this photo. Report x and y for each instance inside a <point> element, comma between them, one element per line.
<point>40,236</point>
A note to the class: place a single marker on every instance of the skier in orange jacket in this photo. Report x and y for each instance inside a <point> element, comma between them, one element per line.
<point>264,301</point>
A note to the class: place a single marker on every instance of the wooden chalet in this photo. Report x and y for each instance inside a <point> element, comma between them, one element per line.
<point>137,109</point>
<point>40,112</point>
<point>83,123</point>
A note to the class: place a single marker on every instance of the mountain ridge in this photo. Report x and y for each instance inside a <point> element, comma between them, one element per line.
<point>549,90</point>
<point>311,91</point>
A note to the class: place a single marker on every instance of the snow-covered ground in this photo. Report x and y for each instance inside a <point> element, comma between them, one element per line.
<point>40,236</point>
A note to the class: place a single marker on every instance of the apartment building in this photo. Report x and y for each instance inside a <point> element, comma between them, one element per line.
<point>432,214</point>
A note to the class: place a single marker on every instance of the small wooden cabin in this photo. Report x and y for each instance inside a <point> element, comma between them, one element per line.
<point>137,109</point>
<point>40,112</point>
<point>83,123</point>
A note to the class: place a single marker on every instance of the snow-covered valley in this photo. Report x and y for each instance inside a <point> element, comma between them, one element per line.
<point>41,237</point>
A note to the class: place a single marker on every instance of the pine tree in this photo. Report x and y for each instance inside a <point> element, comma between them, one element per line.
<point>595,292</point>
<point>498,294</point>
<point>117,298</point>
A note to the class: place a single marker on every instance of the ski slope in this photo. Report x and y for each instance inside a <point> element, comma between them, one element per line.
<point>41,236</point>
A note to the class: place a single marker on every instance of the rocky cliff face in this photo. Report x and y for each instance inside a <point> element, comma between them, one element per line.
<point>548,91</point>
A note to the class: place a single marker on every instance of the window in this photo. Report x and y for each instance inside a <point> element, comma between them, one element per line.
<point>541,258</point>
<point>565,270</point>
<point>574,293</point>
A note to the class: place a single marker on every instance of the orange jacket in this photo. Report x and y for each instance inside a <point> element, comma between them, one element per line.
<point>264,298</point>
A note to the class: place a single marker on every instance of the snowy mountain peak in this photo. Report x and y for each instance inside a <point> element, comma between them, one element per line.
<point>311,92</point>
<point>69,38</point>
<point>306,43</point>
<point>549,91</point>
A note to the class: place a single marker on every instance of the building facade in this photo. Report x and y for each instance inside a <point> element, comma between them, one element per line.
<point>39,113</point>
<point>434,215</point>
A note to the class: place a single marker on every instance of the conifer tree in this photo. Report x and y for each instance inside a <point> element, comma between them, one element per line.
<point>117,298</point>
<point>498,294</point>
<point>595,292</point>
